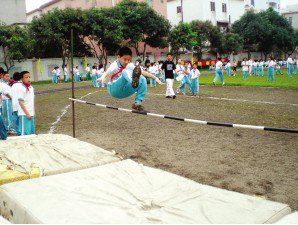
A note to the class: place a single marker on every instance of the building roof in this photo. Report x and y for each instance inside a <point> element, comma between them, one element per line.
<point>290,12</point>
<point>42,7</point>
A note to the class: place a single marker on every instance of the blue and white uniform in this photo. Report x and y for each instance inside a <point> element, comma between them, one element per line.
<point>7,107</point>
<point>228,68</point>
<point>54,76</point>
<point>195,73</point>
<point>119,82</point>
<point>15,105</point>
<point>94,77</point>
<point>270,72</point>
<point>290,63</point>
<point>66,76</point>
<point>27,126</point>
<point>218,73</point>
<point>100,72</point>
<point>245,66</point>
<point>153,70</point>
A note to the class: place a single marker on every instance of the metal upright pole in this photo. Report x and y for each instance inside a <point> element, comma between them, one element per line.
<point>72,89</point>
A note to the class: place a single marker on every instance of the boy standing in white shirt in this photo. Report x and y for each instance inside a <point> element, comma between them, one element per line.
<point>195,73</point>
<point>244,65</point>
<point>290,63</point>
<point>218,72</point>
<point>15,101</point>
<point>26,110</point>
<point>6,98</point>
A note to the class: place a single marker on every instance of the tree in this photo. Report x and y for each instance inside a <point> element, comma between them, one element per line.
<point>182,36</point>
<point>15,44</point>
<point>141,24</point>
<point>208,37</point>
<point>103,30</point>
<point>230,43</point>
<point>53,31</point>
<point>266,31</point>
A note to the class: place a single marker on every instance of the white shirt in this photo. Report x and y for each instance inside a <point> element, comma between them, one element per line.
<point>271,63</point>
<point>255,63</point>
<point>6,89</point>
<point>218,65</point>
<point>58,72</point>
<point>261,63</point>
<point>65,71</point>
<point>77,72</point>
<point>244,66</point>
<point>100,71</point>
<point>93,71</point>
<point>115,70</point>
<point>28,98</point>
<point>179,69</point>
<point>87,69</point>
<point>1,96</point>
<point>228,65</point>
<point>14,96</point>
<point>290,60</point>
<point>54,72</point>
<point>195,73</point>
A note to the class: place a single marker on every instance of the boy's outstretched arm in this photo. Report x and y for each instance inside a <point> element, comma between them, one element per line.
<point>149,75</point>
<point>103,77</point>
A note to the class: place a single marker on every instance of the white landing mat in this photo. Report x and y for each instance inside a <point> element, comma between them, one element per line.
<point>128,192</point>
<point>289,219</point>
<point>3,221</point>
<point>46,154</point>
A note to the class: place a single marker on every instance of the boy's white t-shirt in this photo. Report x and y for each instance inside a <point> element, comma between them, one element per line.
<point>54,72</point>
<point>14,96</point>
<point>115,70</point>
<point>58,72</point>
<point>290,60</point>
<point>228,65</point>
<point>218,65</point>
<point>261,63</point>
<point>244,66</point>
<point>28,98</point>
<point>1,90</point>
<point>100,71</point>
<point>93,71</point>
<point>65,71</point>
<point>195,73</point>
<point>271,63</point>
<point>87,69</point>
<point>6,89</point>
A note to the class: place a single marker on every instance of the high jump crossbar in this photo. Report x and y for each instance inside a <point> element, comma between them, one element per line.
<point>243,126</point>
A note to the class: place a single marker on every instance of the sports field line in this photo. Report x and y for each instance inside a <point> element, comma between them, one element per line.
<point>64,111</point>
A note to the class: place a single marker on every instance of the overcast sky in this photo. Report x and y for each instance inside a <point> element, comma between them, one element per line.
<point>33,4</point>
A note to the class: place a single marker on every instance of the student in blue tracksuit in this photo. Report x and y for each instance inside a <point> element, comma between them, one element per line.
<point>195,74</point>
<point>245,68</point>
<point>228,68</point>
<point>290,63</point>
<point>15,101</point>
<point>7,106</point>
<point>218,72</point>
<point>26,110</point>
<point>270,72</point>
<point>124,79</point>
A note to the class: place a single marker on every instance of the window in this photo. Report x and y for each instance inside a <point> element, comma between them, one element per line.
<point>212,5</point>
<point>252,2</point>
<point>290,20</point>
<point>224,7</point>
<point>179,10</point>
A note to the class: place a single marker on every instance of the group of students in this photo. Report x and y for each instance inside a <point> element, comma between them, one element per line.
<point>16,104</point>
<point>124,78</point>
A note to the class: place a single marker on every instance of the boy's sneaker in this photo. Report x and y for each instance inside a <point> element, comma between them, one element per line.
<point>174,96</point>
<point>168,96</point>
<point>138,108</point>
<point>136,76</point>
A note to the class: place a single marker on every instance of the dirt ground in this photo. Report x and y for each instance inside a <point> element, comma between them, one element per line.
<point>247,161</point>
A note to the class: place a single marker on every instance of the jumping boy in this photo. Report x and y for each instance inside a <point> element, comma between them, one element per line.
<point>26,110</point>
<point>124,79</point>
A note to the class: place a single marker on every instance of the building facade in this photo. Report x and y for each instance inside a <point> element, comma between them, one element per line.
<point>291,14</point>
<point>13,12</point>
<point>159,6</point>
<point>220,12</point>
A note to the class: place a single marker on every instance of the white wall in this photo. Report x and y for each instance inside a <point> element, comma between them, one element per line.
<point>12,11</point>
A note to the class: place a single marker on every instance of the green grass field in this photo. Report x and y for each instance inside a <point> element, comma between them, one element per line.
<point>282,81</point>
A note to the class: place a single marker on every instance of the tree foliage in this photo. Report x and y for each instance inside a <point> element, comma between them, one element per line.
<point>182,36</point>
<point>230,43</point>
<point>141,24</point>
<point>266,31</point>
<point>52,31</point>
<point>103,30</point>
<point>15,44</point>
<point>208,37</point>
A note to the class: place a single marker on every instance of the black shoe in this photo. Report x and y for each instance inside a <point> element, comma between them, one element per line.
<point>136,76</point>
<point>168,97</point>
<point>174,96</point>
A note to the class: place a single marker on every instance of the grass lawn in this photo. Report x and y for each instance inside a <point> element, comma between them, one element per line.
<point>282,81</point>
